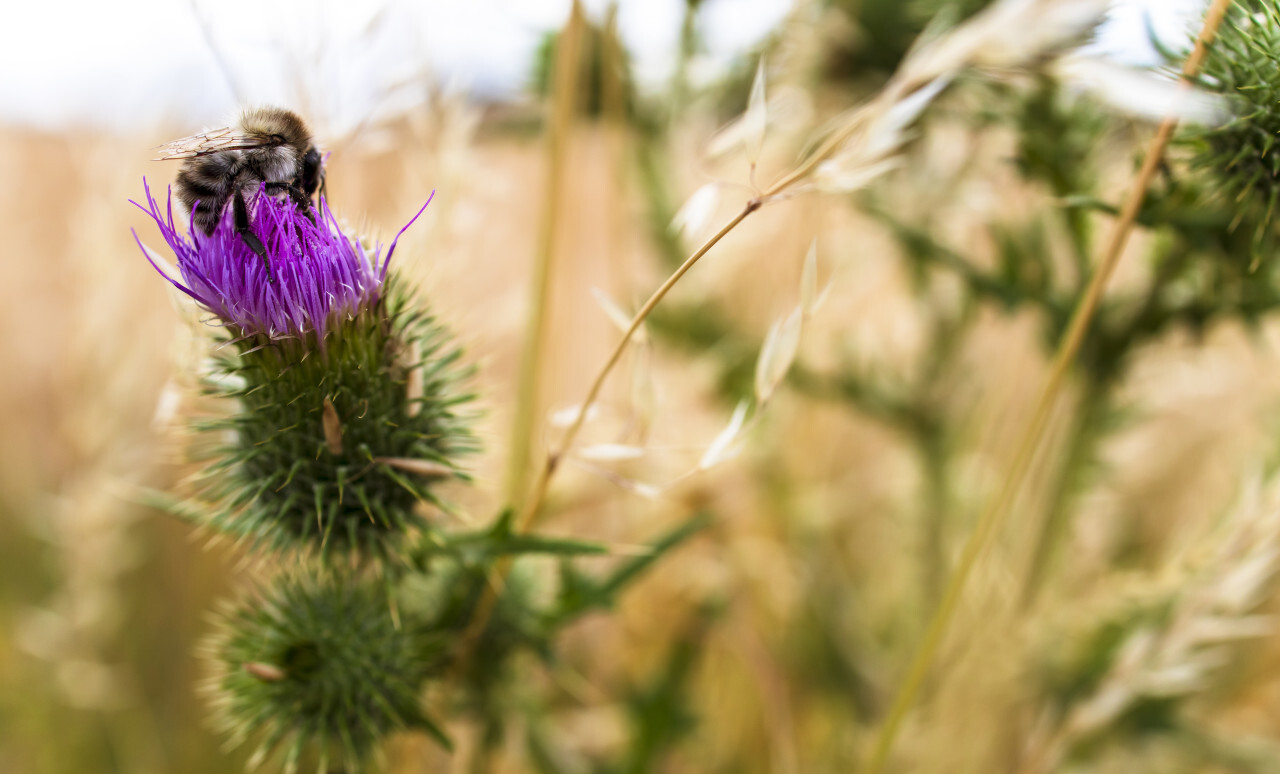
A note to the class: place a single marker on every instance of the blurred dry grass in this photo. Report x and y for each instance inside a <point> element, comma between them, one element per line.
<point>814,559</point>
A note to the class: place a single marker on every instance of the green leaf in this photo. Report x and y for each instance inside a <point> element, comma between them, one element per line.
<point>579,594</point>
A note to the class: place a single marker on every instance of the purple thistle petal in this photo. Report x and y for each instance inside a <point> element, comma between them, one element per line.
<point>146,254</point>
<point>322,277</point>
<point>382,277</point>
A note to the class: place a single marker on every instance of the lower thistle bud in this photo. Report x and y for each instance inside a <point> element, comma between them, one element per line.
<point>320,670</point>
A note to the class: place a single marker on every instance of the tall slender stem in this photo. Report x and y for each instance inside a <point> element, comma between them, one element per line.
<point>1067,350</point>
<point>528,513</point>
<point>1080,448</point>
<point>528,387</point>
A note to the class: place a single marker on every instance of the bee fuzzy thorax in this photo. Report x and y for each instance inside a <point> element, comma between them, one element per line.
<point>268,148</point>
<point>270,120</point>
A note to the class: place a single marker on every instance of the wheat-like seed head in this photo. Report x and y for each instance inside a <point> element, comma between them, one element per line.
<point>1165,641</point>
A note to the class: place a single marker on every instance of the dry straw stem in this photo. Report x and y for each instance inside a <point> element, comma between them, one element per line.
<point>1067,351</point>
<point>564,89</point>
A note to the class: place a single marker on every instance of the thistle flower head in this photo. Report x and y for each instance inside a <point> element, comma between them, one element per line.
<point>317,278</point>
<point>336,452</point>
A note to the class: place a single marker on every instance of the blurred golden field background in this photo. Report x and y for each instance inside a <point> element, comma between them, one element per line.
<point>833,531</point>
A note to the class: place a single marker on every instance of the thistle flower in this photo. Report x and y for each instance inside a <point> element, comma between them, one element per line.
<point>316,278</point>
<point>332,451</point>
<point>319,667</point>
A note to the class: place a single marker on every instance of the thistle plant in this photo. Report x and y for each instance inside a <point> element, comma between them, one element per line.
<point>347,411</point>
<point>346,415</point>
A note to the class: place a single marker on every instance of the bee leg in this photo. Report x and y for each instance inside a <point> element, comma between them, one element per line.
<point>241,213</point>
<point>302,201</point>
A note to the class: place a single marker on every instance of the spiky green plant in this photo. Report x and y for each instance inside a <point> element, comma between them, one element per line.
<point>345,410</point>
<point>1244,63</point>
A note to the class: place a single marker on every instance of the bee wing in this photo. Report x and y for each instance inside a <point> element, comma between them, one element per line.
<point>213,141</point>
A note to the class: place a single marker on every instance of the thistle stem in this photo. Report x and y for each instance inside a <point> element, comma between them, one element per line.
<point>993,517</point>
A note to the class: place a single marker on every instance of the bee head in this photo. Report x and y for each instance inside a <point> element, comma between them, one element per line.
<point>311,174</point>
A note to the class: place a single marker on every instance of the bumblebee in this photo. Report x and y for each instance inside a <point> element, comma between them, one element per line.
<point>269,148</point>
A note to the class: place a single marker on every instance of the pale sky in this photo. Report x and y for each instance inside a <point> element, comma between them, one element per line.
<point>124,64</point>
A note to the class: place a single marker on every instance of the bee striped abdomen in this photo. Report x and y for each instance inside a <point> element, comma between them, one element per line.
<point>271,148</point>
<point>206,188</point>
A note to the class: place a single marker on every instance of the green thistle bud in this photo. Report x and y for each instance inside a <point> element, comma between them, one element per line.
<point>1243,63</point>
<point>322,669</point>
<point>335,450</point>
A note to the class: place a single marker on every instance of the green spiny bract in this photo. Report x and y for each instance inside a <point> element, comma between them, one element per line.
<point>321,668</point>
<point>332,447</point>
<point>1243,63</point>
